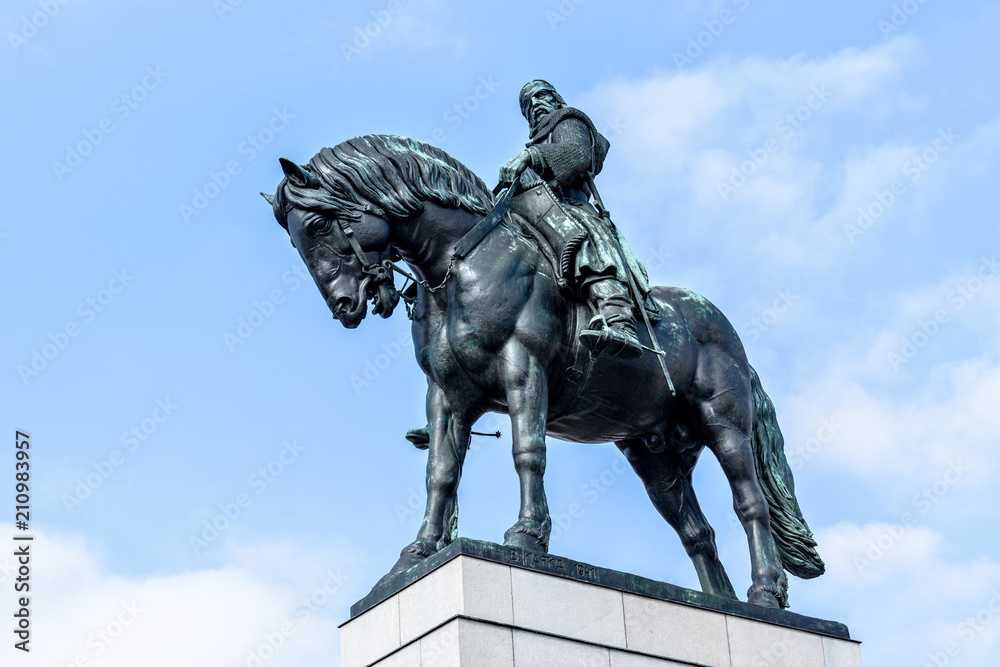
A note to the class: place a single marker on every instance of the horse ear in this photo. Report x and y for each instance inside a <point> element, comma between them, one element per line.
<point>297,175</point>
<point>269,198</point>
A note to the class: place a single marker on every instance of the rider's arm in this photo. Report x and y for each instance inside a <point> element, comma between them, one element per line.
<point>567,156</point>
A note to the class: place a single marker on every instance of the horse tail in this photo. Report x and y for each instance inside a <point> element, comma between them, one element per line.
<point>795,541</point>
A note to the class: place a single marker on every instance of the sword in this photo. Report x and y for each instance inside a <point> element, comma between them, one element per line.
<point>639,300</point>
<point>472,237</point>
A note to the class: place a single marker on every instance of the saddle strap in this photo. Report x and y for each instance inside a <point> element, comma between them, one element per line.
<point>486,225</point>
<point>575,376</point>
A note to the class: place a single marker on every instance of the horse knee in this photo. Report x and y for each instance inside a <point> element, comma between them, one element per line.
<point>442,481</point>
<point>699,541</point>
<point>530,461</point>
<point>752,508</point>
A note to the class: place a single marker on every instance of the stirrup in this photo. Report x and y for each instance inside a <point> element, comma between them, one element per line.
<point>617,340</point>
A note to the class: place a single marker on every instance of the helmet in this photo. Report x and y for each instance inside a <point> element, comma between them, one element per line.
<point>532,88</point>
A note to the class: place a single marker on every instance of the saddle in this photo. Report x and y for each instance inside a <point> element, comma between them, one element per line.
<point>557,234</point>
<point>539,215</point>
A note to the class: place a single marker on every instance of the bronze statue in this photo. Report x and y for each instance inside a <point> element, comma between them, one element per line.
<point>497,323</point>
<point>566,151</point>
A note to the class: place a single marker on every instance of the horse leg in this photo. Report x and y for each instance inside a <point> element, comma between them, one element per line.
<point>527,404</point>
<point>449,442</point>
<point>667,478</point>
<point>732,447</point>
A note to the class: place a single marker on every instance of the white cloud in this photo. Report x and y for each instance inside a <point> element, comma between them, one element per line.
<point>905,594</point>
<point>913,435</point>
<point>205,618</point>
<point>670,117</point>
<point>664,118</point>
<point>867,176</point>
<point>904,408</point>
<point>734,136</point>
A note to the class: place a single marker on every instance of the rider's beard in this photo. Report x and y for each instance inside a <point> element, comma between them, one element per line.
<point>539,112</point>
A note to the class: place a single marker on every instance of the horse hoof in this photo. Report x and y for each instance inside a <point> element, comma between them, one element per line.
<point>413,554</point>
<point>405,562</point>
<point>764,599</point>
<point>523,541</point>
<point>526,534</point>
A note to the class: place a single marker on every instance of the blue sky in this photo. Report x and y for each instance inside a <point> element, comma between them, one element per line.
<point>825,174</point>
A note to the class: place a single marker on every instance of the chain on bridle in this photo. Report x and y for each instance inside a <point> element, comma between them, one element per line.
<point>381,272</point>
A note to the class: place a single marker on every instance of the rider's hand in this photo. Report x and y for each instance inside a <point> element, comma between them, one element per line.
<point>513,167</point>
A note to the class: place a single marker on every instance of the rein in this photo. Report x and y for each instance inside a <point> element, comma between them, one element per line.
<point>382,272</point>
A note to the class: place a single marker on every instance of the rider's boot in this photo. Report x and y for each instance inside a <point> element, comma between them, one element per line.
<point>419,437</point>
<point>612,331</point>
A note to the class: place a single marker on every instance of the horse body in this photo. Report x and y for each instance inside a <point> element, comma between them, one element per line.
<point>493,333</point>
<point>621,399</point>
<point>460,336</point>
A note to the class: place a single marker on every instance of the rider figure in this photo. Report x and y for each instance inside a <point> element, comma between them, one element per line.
<point>566,151</point>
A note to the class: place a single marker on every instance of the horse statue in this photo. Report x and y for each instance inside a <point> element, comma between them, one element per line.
<point>493,332</point>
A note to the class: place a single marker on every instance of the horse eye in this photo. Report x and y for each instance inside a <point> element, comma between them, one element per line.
<point>319,225</point>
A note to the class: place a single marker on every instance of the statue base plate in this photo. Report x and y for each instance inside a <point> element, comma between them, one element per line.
<point>485,605</point>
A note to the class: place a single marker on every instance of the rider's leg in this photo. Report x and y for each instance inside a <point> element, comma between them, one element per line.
<point>612,331</point>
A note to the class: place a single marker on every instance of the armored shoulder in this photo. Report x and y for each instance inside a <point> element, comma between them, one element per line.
<point>567,155</point>
<point>571,130</point>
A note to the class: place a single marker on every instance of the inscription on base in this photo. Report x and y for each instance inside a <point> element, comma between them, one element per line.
<point>540,561</point>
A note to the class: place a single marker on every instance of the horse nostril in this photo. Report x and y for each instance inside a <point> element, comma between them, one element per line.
<point>342,305</point>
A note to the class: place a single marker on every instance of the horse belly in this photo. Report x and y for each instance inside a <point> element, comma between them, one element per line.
<point>618,400</point>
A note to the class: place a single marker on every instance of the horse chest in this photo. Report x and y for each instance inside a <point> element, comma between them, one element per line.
<point>452,352</point>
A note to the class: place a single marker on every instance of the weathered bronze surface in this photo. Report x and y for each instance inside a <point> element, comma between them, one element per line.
<point>592,260</point>
<point>497,328</point>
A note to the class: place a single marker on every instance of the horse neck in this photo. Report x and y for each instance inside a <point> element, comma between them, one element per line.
<point>425,241</point>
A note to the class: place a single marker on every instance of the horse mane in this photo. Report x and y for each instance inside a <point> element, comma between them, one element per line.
<point>396,174</point>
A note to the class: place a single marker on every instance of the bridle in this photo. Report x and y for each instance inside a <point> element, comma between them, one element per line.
<point>376,276</point>
<point>381,272</point>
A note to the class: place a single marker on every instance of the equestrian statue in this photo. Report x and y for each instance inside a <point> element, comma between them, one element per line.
<point>530,303</point>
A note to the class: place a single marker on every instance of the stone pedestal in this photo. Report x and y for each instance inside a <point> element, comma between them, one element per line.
<point>484,605</point>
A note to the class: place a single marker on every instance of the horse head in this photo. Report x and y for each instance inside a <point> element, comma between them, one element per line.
<point>344,244</point>
<point>341,211</point>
